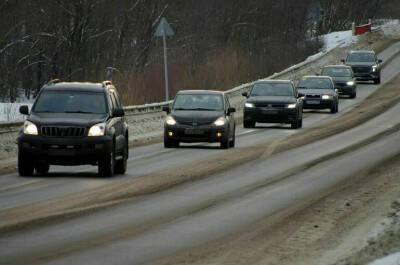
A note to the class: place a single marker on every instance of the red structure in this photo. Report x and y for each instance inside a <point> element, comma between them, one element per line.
<point>359,30</point>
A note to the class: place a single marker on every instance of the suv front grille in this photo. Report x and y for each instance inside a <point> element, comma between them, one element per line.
<point>270,105</point>
<point>52,131</point>
<point>362,69</point>
<point>313,96</point>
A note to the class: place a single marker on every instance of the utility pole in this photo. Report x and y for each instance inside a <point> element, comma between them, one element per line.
<point>164,30</point>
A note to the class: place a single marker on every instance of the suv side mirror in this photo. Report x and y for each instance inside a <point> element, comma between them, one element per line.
<point>231,110</point>
<point>245,94</point>
<point>118,112</point>
<point>380,61</point>
<point>24,109</point>
<point>343,61</point>
<point>166,109</point>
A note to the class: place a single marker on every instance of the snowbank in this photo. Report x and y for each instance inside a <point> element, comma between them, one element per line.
<point>393,259</point>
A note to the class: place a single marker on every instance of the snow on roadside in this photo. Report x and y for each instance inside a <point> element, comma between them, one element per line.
<point>393,259</point>
<point>338,39</point>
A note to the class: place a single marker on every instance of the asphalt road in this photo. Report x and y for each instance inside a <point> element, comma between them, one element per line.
<point>193,213</point>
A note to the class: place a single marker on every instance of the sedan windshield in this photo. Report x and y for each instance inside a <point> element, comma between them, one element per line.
<point>272,89</point>
<point>71,102</point>
<point>337,72</point>
<point>361,57</point>
<point>315,83</point>
<point>198,102</point>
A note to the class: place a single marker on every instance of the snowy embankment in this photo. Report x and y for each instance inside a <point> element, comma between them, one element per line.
<point>10,111</point>
<point>393,259</point>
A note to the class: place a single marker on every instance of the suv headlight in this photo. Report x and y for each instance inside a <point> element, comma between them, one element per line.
<point>326,96</point>
<point>97,129</point>
<point>220,121</point>
<point>30,128</point>
<point>374,68</point>
<point>170,120</point>
<point>350,83</point>
<point>249,105</point>
<point>291,106</point>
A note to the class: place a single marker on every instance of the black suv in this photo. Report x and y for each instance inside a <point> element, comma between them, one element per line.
<point>366,66</point>
<point>200,116</point>
<point>275,101</point>
<point>74,124</point>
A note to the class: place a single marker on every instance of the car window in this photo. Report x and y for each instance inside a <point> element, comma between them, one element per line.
<point>114,100</point>
<point>361,57</point>
<point>71,102</point>
<point>117,101</point>
<point>337,72</point>
<point>315,83</point>
<point>272,89</point>
<point>198,102</point>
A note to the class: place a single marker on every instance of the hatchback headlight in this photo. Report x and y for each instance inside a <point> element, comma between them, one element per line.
<point>326,96</point>
<point>291,106</point>
<point>97,129</point>
<point>170,120</point>
<point>249,105</point>
<point>350,83</point>
<point>220,121</point>
<point>30,128</point>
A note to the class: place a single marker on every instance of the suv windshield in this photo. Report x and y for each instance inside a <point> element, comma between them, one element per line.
<point>361,57</point>
<point>198,102</point>
<point>272,89</point>
<point>71,102</point>
<point>315,83</point>
<point>336,72</point>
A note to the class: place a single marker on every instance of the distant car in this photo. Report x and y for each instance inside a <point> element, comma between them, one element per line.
<point>319,93</point>
<point>343,77</point>
<point>200,116</point>
<point>74,124</point>
<point>365,64</point>
<point>273,101</point>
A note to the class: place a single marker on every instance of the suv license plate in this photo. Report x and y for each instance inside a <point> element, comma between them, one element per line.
<point>194,132</point>
<point>313,102</point>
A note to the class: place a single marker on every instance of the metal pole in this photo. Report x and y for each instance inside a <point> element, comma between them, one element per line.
<point>165,67</point>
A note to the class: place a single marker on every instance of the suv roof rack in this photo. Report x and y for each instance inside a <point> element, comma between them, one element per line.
<point>53,81</point>
<point>107,83</point>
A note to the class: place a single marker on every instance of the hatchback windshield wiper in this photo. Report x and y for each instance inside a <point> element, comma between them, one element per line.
<point>78,111</point>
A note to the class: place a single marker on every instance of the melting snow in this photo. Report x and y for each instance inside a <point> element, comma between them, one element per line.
<point>393,259</point>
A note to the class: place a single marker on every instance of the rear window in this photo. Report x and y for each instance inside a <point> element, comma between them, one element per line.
<point>315,83</point>
<point>71,102</point>
<point>272,89</point>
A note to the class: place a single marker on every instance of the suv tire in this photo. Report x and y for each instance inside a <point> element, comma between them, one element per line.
<point>106,165</point>
<point>25,165</point>
<point>121,165</point>
<point>377,81</point>
<point>42,168</point>
<point>249,124</point>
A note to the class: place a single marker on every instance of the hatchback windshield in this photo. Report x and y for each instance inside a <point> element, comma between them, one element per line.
<point>71,102</point>
<point>272,89</point>
<point>315,83</point>
<point>336,72</point>
<point>198,102</point>
<point>361,57</point>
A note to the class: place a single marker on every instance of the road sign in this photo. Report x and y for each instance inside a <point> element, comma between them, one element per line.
<point>164,30</point>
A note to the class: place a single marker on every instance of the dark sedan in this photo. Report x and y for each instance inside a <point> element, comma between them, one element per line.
<point>366,66</point>
<point>273,101</point>
<point>319,93</point>
<point>343,77</point>
<point>200,116</point>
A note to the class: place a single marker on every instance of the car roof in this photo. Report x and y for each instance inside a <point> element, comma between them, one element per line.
<point>79,86</point>
<point>272,81</point>
<point>363,51</point>
<point>337,66</point>
<point>201,92</point>
<point>317,77</point>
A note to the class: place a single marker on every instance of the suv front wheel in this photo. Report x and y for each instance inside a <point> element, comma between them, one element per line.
<point>106,165</point>
<point>25,165</point>
<point>121,165</point>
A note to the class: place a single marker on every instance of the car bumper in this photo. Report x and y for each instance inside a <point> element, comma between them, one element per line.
<point>366,76</point>
<point>270,115</point>
<point>346,90</point>
<point>318,103</point>
<point>65,151</point>
<point>188,134</point>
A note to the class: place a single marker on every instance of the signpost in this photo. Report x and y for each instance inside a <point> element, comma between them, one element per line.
<point>164,30</point>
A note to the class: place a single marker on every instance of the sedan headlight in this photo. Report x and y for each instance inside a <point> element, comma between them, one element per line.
<point>249,105</point>
<point>350,83</point>
<point>291,106</point>
<point>170,120</point>
<point>30,128</point>
<point>326,96</point>
<point>220,121</point>
<point>97,129</point>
